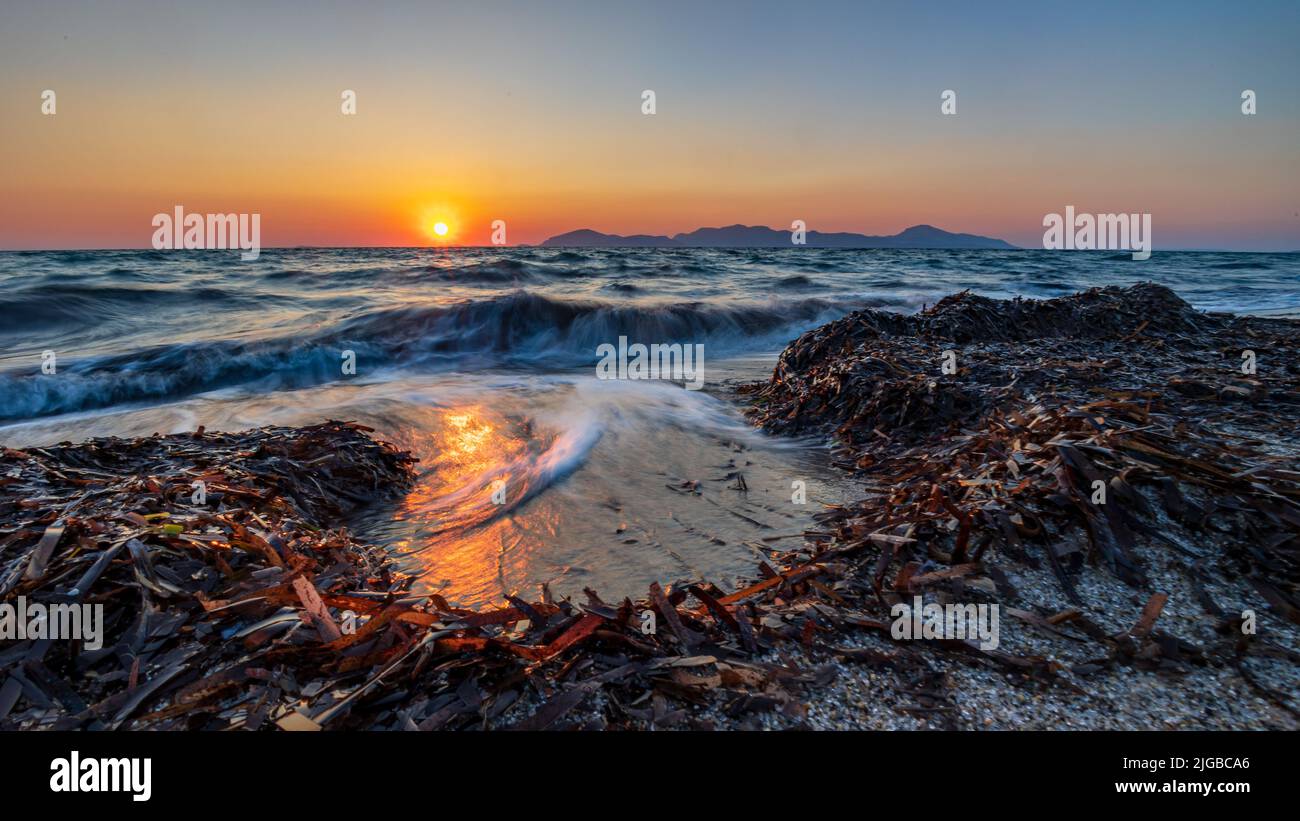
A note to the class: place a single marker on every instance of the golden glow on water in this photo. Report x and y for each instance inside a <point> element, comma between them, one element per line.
<point>467,435</point>
<point>464,535</point>
<point>462,453</point>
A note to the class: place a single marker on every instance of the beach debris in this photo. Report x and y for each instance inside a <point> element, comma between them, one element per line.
<point>1079,431</point>
<point>256,610</point>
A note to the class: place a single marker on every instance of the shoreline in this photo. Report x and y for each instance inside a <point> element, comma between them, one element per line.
<point>808,644</point>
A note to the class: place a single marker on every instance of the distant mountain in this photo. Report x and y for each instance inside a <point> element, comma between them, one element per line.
<point>757,236</point>
<point>587,238</point>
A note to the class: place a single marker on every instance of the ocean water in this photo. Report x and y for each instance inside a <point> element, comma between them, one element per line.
<point>482,362</point>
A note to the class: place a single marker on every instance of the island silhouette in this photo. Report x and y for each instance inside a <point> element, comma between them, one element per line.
<point>759,236</point>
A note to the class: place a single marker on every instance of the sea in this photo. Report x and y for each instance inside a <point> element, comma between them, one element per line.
<point>483,362</point>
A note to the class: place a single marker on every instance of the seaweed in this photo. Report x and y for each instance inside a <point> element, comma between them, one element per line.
<point>1119,414</point>
<point>252,608</point>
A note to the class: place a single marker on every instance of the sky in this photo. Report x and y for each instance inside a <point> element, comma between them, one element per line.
<point>531,113</point>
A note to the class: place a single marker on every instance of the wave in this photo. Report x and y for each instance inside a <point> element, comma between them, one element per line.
<point>1242,266</point>
<point>74,302</point>
<point>504,270</point>
<point>520,329</point>
<point>149,326</point>
<point>527,325</point>
<point>617,287</point>
<point>794,282</point>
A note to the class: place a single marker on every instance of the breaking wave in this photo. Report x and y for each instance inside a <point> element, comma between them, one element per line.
<point>520,329</point>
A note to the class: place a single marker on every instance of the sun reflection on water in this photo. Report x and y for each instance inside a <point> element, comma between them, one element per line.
<point>475,468</point>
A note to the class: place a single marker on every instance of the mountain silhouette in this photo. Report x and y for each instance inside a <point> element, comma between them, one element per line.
<point>758,236</point>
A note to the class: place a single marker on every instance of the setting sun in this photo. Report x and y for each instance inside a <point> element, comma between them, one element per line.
<point>440,221</point>
<point>440,229</point>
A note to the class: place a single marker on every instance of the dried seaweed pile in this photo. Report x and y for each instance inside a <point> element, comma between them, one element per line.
<point>1073,430</point>
<point>235,612</point>
<point>160,531</point>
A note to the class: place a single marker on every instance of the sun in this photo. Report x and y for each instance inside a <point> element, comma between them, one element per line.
<point>441,229</point>
<point>440,222</point>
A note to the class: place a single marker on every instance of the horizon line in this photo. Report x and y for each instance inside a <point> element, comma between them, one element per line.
<point>645,248</point>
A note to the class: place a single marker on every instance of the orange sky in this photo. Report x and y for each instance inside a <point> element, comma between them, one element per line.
<point>470,119</point>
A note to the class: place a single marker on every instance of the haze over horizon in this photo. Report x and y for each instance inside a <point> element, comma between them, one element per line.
<point>470,112</point>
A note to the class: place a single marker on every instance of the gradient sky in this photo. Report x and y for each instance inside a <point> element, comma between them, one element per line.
<point>530,112</point>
